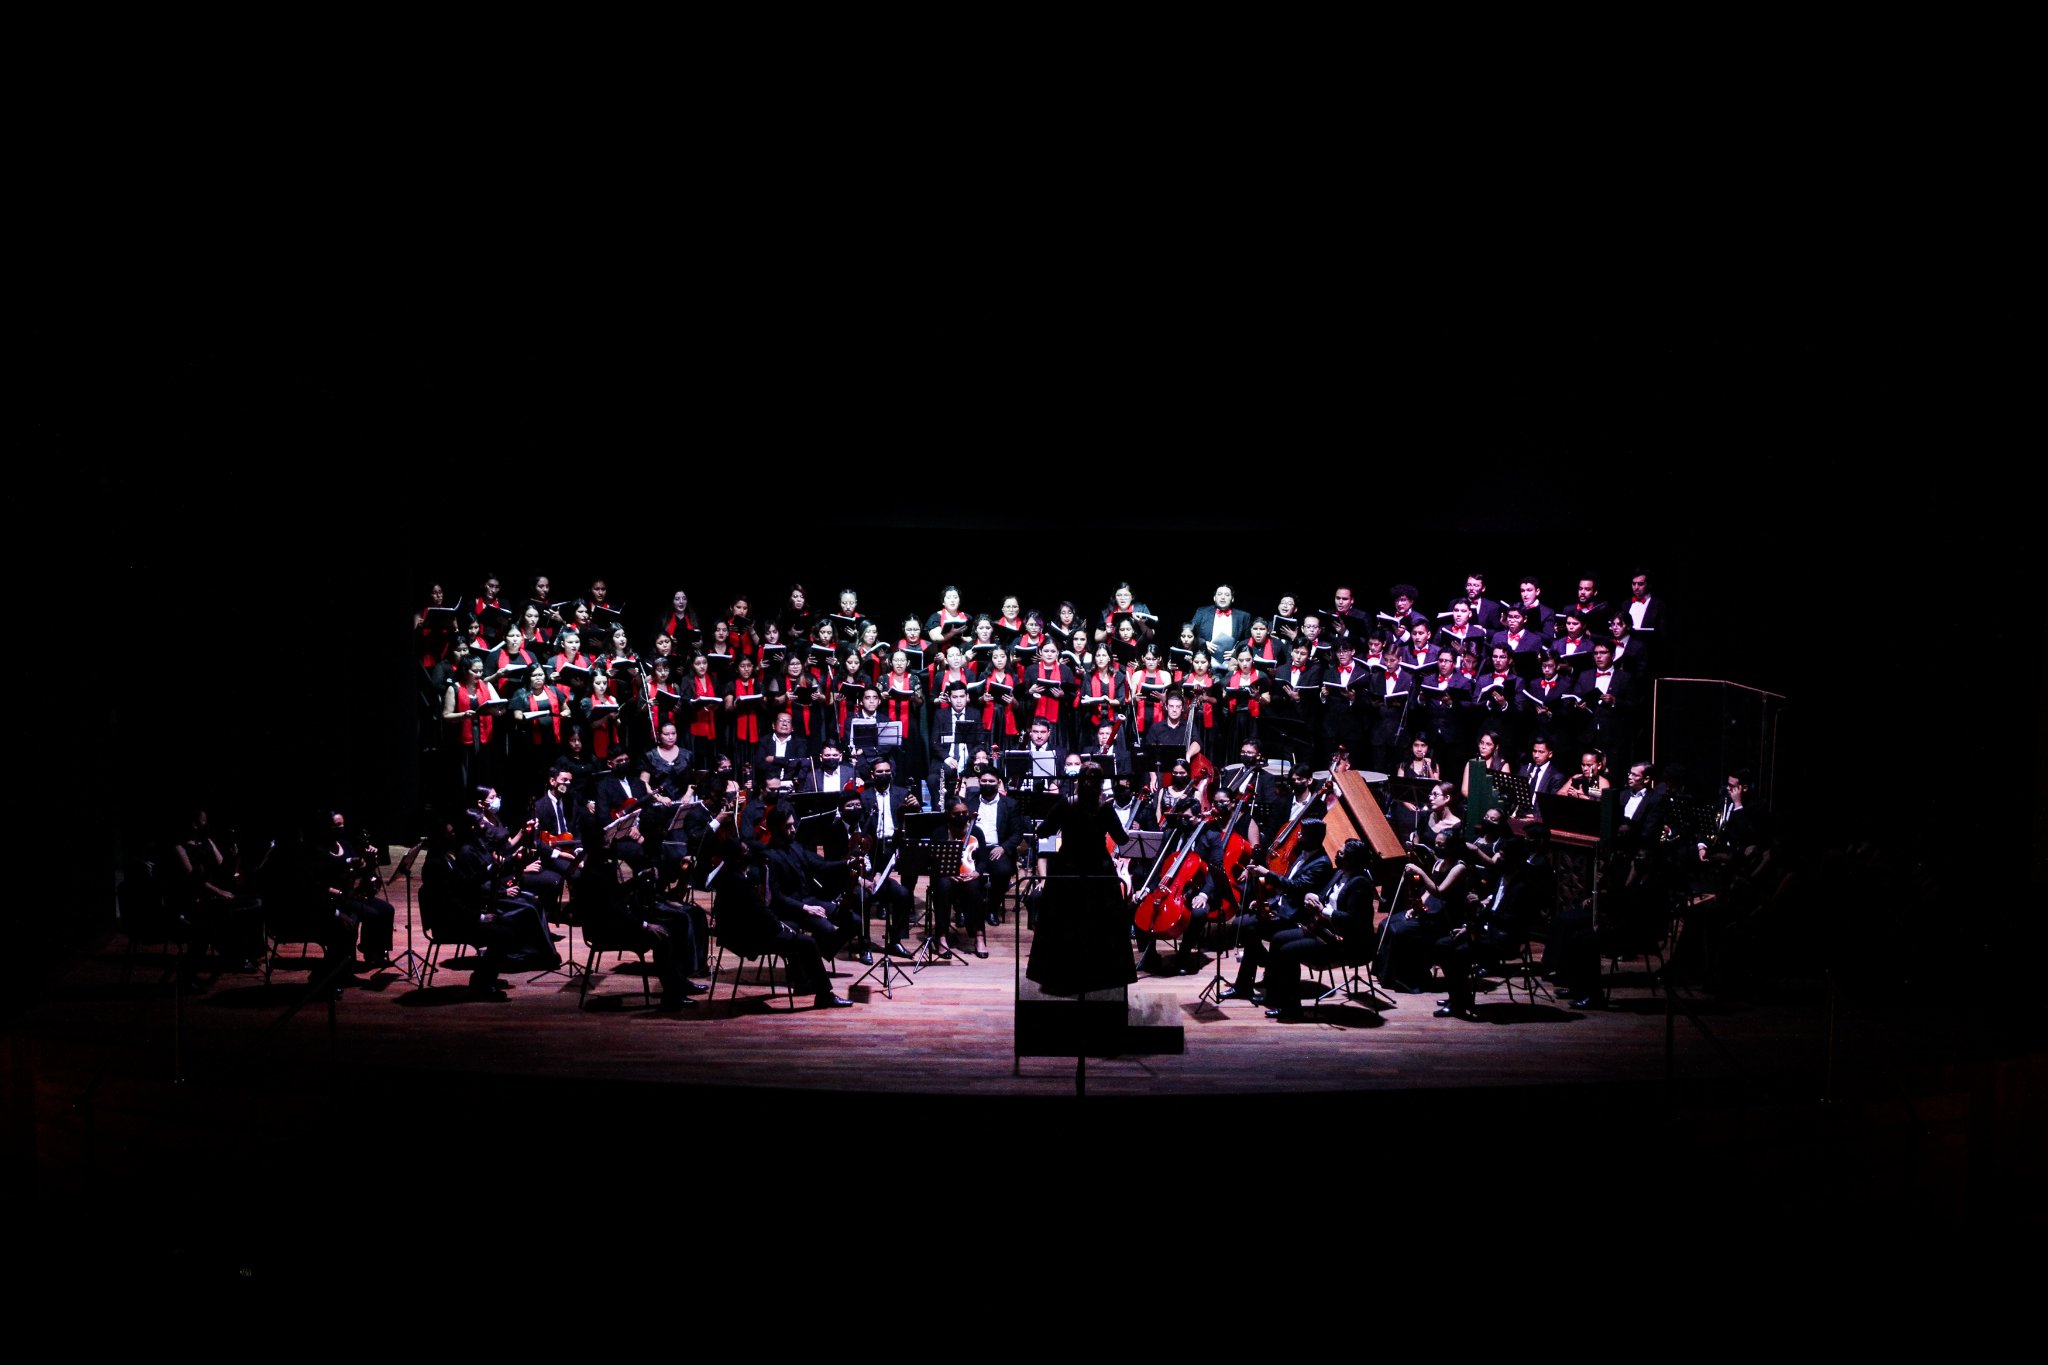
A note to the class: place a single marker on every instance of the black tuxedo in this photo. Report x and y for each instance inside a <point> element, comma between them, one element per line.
<point>1237,621</point>
<point>1485,613</point>
<point>1554,775</point>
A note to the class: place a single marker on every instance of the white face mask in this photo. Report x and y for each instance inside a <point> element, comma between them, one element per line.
<point>493,804</point>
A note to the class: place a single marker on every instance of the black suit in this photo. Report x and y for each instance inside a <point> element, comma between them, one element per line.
<point>1310,872</point>
<point>1553,777</point>
<point>763,755</point>
<point>1237,621</point>
<point>613,791</point>
<point>1347,937</point>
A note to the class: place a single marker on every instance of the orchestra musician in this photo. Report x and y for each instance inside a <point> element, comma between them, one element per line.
<point>802,926</point>
<point>883,810</point>
<point>1279,902</point>
<point>1336,927</point>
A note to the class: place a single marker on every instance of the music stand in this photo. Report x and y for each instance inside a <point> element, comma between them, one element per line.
<point>1515,788</point>
<point>413,964</point>
<point>945,861</point>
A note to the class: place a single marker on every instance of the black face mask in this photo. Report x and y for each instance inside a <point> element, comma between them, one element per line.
<point>828,763</point>
<point>882,781</point>
<point>1179,780</point>
<point>988,791</point>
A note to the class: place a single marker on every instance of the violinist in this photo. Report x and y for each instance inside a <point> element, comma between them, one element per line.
<point>617,793</point>
<point>1279,901</point>
<point>513,854</point>
<point>829,773</point>
<point>1338,929</point>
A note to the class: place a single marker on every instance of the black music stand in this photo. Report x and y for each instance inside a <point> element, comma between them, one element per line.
<point>409,961</point>
<point>944,862</point>
<point>1515,788</point>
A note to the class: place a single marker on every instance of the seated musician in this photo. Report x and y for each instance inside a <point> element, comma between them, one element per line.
<point>1411,935</point>
<point>1177,809</point>
<point>1278,901</point>
<point>1492,926</point>
<point>999,826</point>
<point>1338,928</point>
<point>783,749</point>
<point>353,879</point>
<point>516,850</point>
<point>1175,730</point>
<point>558,822</point>
<point>830,773</point>
<point>960,898</point>
<point>884,807</point>
<point>1590,782</point>
<point>800,926</point>
<point>465,896</point>
<point>619,792</point>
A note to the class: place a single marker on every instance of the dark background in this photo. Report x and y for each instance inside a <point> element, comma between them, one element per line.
<point>262,484</point>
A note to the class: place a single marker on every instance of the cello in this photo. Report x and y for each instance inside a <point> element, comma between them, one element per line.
<point>1163,910</point>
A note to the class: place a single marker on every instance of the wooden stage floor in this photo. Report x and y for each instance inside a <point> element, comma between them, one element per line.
<point>1718,1103</point>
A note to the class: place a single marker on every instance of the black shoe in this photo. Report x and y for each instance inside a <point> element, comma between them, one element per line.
<point>1284,1012</point>
<point>897,949</point>
<point>1589,1002</point>
<point>691,988</point>
<point>864,958</point>
<point>1151,964</point>
<point>1233,993</point>
<point>828,1001</point>
<point>377,963</point>
<point>493,992</point>
<point>555,936</point>
<point>981,952</point>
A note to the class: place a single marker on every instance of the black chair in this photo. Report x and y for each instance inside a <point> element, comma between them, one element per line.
<point>610,927</point>
<point>748,948</point>
<point>442,930</point>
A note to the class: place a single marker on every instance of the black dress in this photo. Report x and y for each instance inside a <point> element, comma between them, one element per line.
<point>1084,926</point>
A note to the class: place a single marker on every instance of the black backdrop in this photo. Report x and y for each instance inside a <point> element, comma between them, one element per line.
<point>277,483</point>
